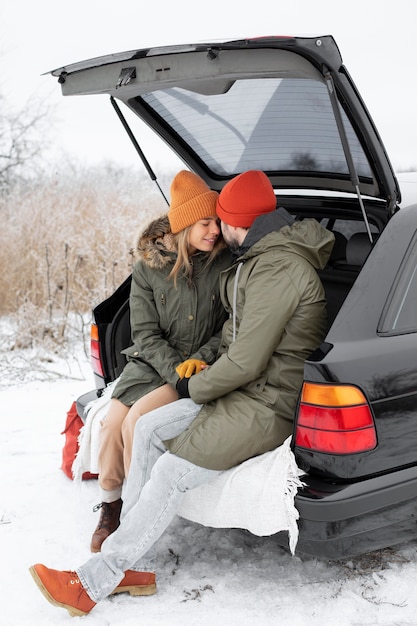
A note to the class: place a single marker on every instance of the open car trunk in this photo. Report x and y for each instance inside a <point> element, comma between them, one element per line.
<point>288,106</point>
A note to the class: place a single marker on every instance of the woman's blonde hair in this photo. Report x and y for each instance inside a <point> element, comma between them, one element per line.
<point>183,265</point>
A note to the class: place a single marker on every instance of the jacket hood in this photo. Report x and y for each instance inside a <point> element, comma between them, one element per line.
<point>307,238</point>
<point>155,245</point>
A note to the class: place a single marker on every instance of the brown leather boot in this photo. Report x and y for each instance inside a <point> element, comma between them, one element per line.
<point>109,521</point>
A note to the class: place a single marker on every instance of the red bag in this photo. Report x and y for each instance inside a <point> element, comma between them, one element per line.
<point>73,426</point>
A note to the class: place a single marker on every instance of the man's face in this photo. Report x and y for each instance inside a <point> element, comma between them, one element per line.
<point>230,237</point>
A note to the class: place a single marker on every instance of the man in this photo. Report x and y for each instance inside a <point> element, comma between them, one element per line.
<point>237,408</point>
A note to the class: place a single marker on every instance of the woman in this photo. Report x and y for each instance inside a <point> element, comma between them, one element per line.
<point>176,316</point>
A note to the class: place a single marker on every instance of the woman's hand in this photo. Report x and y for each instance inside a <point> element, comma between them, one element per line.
<point>189,367</point>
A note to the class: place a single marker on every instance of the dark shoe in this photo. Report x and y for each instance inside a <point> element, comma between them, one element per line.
<point>137,583</point>
<point>109,521</point>
<point>62,589</point>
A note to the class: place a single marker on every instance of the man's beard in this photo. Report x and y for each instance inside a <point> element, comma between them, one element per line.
<point>231,241</point>
<point>232,244</point>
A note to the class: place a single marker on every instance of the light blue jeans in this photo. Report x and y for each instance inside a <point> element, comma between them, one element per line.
<point>153,493</point>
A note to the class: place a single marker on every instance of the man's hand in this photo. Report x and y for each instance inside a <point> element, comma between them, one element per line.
<point>189,367</point>
<point>182,388</point>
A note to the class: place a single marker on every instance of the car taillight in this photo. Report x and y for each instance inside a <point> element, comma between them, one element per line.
<point>95,351</point>
<point>335,419</point>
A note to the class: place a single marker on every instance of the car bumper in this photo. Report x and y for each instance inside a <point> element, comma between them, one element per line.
<point>84,400</point>
<point>341,521</point>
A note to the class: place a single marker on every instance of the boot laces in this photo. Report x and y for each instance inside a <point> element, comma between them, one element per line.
<point>108,515</point>
<point>74,580</point>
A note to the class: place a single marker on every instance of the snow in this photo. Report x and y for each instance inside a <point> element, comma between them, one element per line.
<point>205,576</point>
<point>408,186</point>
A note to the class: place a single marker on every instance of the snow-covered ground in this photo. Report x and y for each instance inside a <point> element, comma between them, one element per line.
<point>205,576</point>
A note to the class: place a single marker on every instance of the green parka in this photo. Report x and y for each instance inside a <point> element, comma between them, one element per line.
<point>277,309</point>
<point>169,323</point>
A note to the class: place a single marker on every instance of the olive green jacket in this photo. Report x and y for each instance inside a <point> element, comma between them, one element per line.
<point>169,323</point>
<point>277,310</point>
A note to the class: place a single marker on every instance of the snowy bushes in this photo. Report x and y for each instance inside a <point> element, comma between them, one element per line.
<point>65,245</point>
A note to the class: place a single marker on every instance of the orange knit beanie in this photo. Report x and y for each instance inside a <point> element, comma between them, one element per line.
<point>191,200</point>
<point>244,198</point>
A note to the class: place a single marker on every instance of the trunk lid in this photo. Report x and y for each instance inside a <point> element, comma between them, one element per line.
<point>285,105</point>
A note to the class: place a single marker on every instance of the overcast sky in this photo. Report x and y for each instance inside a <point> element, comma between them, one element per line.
<point>377,40</point>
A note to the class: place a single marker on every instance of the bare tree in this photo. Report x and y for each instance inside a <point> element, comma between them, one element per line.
<point>22,141</point>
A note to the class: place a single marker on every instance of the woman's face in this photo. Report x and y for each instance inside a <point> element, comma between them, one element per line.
<point>204,234</point>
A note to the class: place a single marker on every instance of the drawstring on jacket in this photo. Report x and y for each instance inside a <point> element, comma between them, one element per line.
<point>235,286</point>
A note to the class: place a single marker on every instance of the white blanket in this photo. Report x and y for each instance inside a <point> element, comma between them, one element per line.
<point>257,495</point>
<point>86,459</point>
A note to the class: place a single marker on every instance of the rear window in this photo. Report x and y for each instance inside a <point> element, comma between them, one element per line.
<point>284,124</point>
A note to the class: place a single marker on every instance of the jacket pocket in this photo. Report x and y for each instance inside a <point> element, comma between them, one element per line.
<point>162,308</point>
<point>259,389</point>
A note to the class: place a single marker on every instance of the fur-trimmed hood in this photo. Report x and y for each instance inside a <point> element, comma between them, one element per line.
<point>155,245</point>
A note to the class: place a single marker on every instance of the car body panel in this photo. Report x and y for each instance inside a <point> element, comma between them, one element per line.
<point>358,356</point>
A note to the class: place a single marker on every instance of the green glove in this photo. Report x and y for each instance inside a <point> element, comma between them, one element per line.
<point>189,367</point>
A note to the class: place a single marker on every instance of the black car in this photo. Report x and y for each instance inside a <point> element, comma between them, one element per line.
<point>288,106</point>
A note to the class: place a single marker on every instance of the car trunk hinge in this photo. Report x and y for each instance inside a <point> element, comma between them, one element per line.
<point>346,148</point>
<point>137,146</point>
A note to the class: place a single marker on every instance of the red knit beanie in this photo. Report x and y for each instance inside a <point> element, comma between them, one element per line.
<point>244,198</point>
<point>191,200</point>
